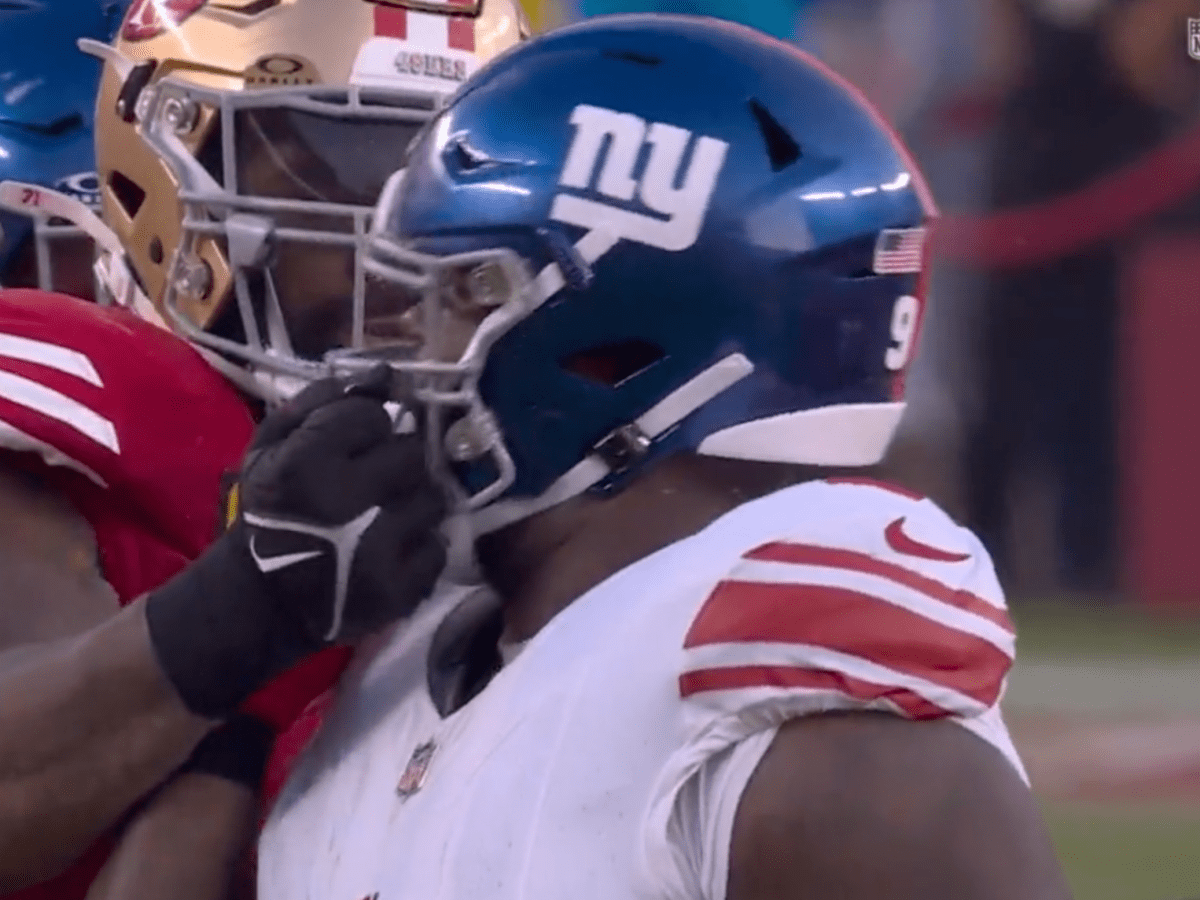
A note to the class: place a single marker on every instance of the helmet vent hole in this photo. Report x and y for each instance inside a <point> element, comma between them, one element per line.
<point>210,155</point>
<point>58,127</point>
<point>129,195</point>
<point>613,364</point>
<point>632,56</point>
<point>156,251</point>
<point>782,149</point>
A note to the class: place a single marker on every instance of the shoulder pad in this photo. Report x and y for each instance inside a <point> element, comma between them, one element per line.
<point>878,600</point>
<point>129,405</point>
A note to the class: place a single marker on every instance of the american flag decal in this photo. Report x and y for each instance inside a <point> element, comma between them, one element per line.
<point>898,251</point>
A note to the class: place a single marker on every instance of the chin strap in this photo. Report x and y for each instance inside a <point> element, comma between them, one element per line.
<point>621,447</point>
<point>624,445</point>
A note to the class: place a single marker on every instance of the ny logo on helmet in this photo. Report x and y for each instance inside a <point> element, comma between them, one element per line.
<point>676,214</point>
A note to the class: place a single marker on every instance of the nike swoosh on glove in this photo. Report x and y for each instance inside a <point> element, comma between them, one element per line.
<point>337,537</point>
<point>341,516</point>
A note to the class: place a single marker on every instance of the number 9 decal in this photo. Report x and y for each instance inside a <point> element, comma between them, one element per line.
<point>905,314</point>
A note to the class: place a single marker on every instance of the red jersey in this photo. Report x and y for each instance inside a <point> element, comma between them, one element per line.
<point>137,431</point>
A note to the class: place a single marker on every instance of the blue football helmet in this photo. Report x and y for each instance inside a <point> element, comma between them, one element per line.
<point>47,94</point>
<point>643,235</point>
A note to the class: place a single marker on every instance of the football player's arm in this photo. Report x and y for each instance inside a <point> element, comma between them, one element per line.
<point>188,844</point>
<point>89,724</point>
<point>88,721</point>
<point>859,806</point>
<point>190,839</point>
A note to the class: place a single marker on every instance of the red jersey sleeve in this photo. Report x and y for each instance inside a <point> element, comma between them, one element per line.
<point>132,408</point>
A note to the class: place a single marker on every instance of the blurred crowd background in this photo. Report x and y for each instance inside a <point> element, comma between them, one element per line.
<point>1050,405</point>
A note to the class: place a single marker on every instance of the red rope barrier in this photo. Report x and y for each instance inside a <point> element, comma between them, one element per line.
<point>1067,224</point>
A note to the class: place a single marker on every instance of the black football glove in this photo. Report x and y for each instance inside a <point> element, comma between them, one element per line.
<point>337,537</point>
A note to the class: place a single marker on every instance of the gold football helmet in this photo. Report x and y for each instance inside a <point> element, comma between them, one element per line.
<point>241,146</point>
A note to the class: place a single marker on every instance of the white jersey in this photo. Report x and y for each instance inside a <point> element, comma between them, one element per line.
<point>607,759</point>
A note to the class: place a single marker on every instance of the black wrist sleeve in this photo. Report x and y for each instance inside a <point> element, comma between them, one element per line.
<point>237,750</point>
<point>217,632</point>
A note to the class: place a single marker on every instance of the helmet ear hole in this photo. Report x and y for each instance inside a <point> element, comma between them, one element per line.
<point>613,364</point>
<point>126,191</point>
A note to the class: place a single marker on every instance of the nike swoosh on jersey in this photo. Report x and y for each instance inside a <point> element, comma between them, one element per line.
<point>268,564</point>
<point>901,542</point>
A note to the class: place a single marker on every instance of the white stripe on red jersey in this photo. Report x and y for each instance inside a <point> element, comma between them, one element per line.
<point>22,391</point>
<point>71,362</point>
<point>13,438</point>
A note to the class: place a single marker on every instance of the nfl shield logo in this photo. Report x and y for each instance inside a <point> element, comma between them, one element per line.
<point>412,779</point>
<point>1194,38</point>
